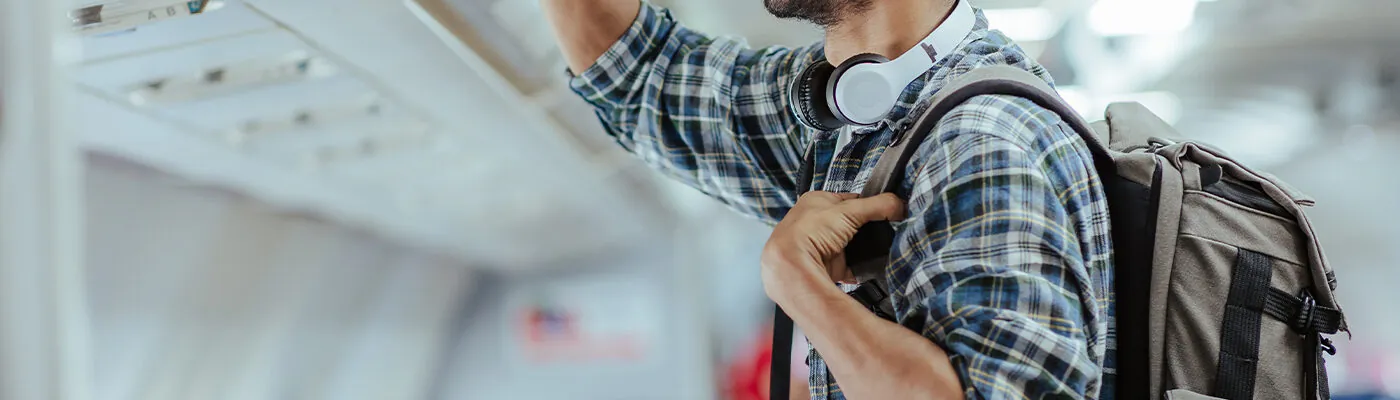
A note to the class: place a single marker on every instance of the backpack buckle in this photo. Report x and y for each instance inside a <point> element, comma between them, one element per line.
<point>1326,345</point>
<point>872,296</point>
<point>1306,313</point>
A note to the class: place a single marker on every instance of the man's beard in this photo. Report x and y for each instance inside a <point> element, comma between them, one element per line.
<point>821,12</point>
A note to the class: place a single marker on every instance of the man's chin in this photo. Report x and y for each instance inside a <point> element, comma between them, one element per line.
<point>820,12</point>
<point>780,8</point>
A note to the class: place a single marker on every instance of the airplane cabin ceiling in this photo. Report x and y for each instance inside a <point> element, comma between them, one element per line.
<point>356,112</point>
<point>1279,77</point>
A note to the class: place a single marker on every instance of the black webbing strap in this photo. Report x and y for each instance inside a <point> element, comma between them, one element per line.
<point>1239,332</point>
<point>1319,370</point>
<point>1315,367</point>
<point>1302,313</point>
<point>1311,321</point>
<point>780,367</point>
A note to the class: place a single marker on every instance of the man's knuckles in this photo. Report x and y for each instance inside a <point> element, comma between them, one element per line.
<point>879,208</point>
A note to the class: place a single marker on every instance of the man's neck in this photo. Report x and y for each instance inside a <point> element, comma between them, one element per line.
<point>888,28</point>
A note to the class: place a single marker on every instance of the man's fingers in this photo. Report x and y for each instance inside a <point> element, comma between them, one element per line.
<point>817,194</point>
<point>884,207</point>
<point>847,196</point>
<point>819,200</point>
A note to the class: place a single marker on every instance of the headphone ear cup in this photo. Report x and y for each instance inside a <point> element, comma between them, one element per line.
<point>835,77</point>
<point>807,99</point>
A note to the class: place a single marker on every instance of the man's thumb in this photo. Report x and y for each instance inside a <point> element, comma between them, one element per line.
<point>884,207</point>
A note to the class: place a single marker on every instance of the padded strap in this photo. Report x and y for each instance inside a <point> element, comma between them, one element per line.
<point>991,80</point>
<point>867,253</point>
<point>1239,333</point>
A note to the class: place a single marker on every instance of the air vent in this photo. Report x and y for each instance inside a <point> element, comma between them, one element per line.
<point>373,146</point>
<point>334,114</point>
<point>292,67</point>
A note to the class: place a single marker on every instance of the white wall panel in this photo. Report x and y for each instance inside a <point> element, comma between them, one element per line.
<point>198,293</point>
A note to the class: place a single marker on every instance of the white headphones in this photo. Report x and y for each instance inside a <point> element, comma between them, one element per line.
<point>864,88</point>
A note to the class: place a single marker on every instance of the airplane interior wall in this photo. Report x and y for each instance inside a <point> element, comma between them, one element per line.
<point>195,290</point>
<point>199,293</point>
<point>640,357</point>
<point>656,323</point>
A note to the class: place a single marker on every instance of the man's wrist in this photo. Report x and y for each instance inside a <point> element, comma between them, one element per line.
<point>806,299</point>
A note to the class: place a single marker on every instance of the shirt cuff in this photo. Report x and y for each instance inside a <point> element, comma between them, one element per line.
<point>612,68</point>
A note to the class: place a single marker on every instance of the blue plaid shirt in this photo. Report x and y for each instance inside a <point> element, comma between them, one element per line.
<point>1005,258</point>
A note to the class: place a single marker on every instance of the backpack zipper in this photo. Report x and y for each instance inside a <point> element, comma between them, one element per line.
<point>1249,197</point>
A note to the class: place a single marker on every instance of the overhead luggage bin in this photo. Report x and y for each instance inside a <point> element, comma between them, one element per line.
<point>509,46</point>
<point>219,18</point>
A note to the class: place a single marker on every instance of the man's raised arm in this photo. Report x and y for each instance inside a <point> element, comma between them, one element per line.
<point>587,28</point>
<point>710,112</point>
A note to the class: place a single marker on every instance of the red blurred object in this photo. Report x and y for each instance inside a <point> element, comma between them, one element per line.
<point>551,325</point>
<point>747,374</point>
<point>746,377</point>
<point>554,335</point>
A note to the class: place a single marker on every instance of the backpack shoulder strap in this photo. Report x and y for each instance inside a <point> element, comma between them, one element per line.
<point>866,253</point>
<point>992,80</point>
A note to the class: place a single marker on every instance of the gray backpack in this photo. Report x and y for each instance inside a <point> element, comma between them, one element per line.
<point>1221,288</point>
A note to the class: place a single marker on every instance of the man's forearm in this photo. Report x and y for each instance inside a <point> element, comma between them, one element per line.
<point>586,28</point>
<point>870,357</point>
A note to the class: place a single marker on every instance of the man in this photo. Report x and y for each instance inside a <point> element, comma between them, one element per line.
<point>1000,276</point>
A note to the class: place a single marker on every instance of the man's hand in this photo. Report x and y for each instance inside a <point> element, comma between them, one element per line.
<point>872,358</point>
<point>806,251</point>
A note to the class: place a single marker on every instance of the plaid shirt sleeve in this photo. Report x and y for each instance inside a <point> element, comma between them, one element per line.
<point>989,264</point>
<point>709,112</point>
